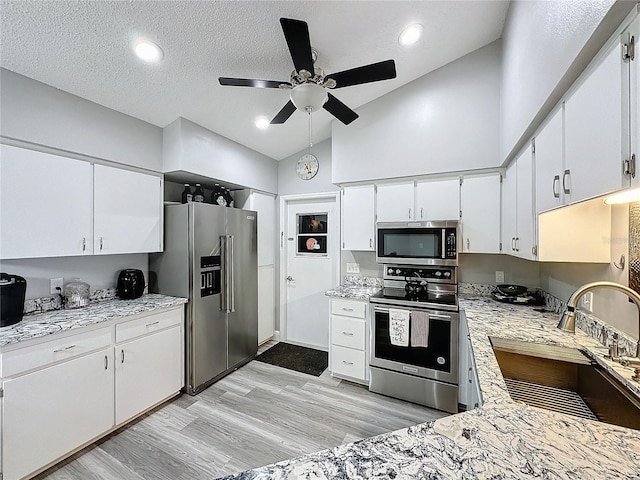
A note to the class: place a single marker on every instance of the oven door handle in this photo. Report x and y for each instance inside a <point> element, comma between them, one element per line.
<point>431,315</point>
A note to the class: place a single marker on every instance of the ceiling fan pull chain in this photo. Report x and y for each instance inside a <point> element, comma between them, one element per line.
<point>309,113</point>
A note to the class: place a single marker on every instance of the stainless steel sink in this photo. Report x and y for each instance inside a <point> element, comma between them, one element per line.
<point>564,380</point>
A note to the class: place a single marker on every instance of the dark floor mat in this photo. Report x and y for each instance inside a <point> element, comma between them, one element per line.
<point>295,357</point>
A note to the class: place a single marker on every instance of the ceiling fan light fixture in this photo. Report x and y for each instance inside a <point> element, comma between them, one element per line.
<point>410,35</point>
<point>308,95</point>
<point>147,51</point>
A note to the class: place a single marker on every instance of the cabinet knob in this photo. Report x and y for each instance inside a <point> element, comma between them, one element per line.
<point>290,278</point>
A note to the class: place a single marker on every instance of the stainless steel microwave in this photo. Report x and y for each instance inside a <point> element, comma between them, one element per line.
<point>417,243</point>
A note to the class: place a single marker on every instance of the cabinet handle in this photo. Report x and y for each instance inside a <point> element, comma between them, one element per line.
<point>347,309</point>
<point>84,244</point>
<point>371,243</point>
<point>470,375</point>
<point>64,349</point>
<point>409,213</point>
<point>567,173</point>
<point>100,243</point>
<point>517,244</point>
<point>347,363</point>
<point>348,334</point>
<point>468,244</point>
<point>421,213</point>
<point>106,362</point>
<point>513,244</point>
<point>556,181</point>
<point>122,356</point>
<point>153,323</point>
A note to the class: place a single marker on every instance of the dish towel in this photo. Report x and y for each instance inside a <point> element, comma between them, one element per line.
<point>419,329</point>
<point>399,327</point>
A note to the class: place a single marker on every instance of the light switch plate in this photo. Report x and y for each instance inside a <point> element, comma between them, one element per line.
<point>499,276</point>
<point>353,268</point>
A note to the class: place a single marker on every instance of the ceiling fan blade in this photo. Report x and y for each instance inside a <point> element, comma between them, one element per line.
<point>296,32</point>
<point>339,110</point>
<point>284,114</point>
<point>368,73</point>
<point>250,82</point>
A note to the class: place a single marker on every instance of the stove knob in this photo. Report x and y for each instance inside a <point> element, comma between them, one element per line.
<point>447,274</point>
<point>390,271</point>
<point>398,271</point>
<point>438,273</point>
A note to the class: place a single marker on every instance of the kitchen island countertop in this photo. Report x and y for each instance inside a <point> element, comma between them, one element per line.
<point>502,439</point>
<point>38,325</point>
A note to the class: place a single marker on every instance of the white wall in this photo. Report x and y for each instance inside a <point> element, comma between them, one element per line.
<point>447,120</point>
<point>36,113</point>
<point>546,45</point>
<point>99,271</point>
<point>188,147</point>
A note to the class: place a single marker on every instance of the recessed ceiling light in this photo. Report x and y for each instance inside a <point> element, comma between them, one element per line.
<point>262,123</point>
<point>410,35</point>
<point>147,51</point>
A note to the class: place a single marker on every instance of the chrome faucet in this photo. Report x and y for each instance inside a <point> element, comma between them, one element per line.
<point>568,318</point>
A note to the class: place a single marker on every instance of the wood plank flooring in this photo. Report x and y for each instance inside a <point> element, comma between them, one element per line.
<point>257,415</point>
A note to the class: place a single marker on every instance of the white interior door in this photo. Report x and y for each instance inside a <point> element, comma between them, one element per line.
<point>312,267</point>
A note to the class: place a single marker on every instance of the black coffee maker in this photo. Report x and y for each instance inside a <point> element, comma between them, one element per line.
<point>12,292</point>
<point>130,284</point>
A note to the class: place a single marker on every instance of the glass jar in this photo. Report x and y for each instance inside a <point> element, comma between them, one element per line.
<point>76,294</point>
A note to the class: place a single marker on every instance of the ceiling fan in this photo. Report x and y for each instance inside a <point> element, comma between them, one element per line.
<point>308,84</point>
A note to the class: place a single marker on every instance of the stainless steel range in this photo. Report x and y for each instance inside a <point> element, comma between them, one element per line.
<point>414,336</point>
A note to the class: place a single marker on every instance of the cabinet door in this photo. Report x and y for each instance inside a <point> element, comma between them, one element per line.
<point>148,370</point>
<point>480,202</point>
<point>438,199</point>
<point>395,202</point>
<point>358,218</point>
<point>127,211</point>
<point>596,134</point>
<point>52,411</point>
<point>634,100</point>
<point>509,209</point>
<point>265,205</point>
<point>524,205</point>
<point>549,157</point>
<point>45,204</point>
<point>266,303</point>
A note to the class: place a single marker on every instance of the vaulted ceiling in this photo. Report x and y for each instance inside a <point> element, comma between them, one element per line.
<point>84,48</point>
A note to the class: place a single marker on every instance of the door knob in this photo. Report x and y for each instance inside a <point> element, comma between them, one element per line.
<point>290,278</point>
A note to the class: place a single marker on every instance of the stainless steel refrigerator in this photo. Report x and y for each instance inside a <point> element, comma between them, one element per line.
<point>210,257</point>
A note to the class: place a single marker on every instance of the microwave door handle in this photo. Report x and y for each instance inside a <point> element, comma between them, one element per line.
<point>444,239</point>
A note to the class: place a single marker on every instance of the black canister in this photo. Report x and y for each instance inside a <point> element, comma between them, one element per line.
<point>12,292</point>
<point>130,284</point>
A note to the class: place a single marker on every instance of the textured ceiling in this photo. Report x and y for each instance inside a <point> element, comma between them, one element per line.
<point>83,47</point>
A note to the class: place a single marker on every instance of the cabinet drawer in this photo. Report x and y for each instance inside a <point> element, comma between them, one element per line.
<point>347,361</point>
<point>151,323</point>
<point>53,351</point>
<point>348,332</point>
<point>349,308</point>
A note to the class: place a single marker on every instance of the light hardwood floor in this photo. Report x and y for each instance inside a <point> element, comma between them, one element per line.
<point>257,415</point>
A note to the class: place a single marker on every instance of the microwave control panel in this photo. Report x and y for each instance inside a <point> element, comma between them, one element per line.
<point>450,244</point>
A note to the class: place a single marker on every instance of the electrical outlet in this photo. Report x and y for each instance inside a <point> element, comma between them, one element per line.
<point>587,301</point>
<point>353,268</point>
<point>499,276</point>
<point>54,284</point>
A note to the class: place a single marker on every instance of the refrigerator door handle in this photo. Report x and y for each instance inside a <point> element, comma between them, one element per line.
<point>230,286</point>
<point>224,251</point>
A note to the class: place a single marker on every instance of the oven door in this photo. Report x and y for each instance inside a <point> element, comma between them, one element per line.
<point>417,243</point>
<point>438,361</point>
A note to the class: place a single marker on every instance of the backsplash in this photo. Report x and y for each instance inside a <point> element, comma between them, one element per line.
<point>362,281</point>
<point>46,304</point>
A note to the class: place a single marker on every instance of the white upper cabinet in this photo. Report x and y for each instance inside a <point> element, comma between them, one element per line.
<point>265,205</point>
<point>45,204</point>
<point>549,155</point>
<point>517,207</point>
<point>438,199</point>
<point>127,211</point>
<point>480,220</point>
<point>596,127</point>
<point>358,218</point>
<point>395,202</point>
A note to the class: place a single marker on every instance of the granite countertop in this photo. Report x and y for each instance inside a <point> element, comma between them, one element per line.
<point>501,439</point>
<point>56,321</point>
<point>356,287</point>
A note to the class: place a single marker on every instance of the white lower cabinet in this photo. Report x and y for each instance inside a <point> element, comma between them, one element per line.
<point>66,392</point>
<point>148,370</point>
<point>52,411</point>
<point>468,386</point>
<point>348,351</point>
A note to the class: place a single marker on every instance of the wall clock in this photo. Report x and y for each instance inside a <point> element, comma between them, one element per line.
<point>307,166</point>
